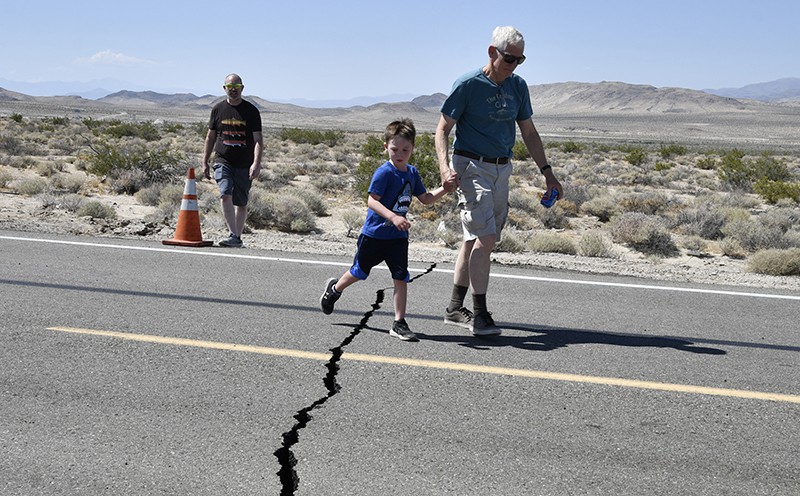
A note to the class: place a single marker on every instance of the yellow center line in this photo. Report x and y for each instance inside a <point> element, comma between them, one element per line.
<point>462,367</point>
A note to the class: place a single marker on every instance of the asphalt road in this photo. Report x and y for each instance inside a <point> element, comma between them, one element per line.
<point>136,368</point>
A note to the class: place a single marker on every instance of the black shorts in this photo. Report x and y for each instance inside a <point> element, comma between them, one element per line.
<point>373,251</point>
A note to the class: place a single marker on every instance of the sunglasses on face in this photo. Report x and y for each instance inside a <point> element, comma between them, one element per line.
<point>510,59</point>
<point>232,86</point>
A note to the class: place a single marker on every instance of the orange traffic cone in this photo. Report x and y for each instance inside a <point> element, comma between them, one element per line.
<point>187,233</point>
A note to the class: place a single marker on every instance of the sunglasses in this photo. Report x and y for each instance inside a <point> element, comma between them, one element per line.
<point>510,59</point>
<point>231,86</point>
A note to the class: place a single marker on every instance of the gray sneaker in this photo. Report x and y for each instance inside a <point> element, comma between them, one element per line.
<point>460,317</point>
<point>483,325</point>
<point>329,296</point>
<point>232,241</point>
<point>400,330</point>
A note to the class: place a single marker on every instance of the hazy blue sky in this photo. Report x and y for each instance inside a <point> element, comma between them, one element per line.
<point>338,50</point>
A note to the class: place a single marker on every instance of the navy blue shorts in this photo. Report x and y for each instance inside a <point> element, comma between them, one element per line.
<point>373,251</point>
<point>234,182</point>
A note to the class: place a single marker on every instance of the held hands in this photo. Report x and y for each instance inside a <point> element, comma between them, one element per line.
<point>206,171</point>
<point>451,183</point>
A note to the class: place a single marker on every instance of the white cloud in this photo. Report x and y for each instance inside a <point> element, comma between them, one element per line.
<point>108,57</point>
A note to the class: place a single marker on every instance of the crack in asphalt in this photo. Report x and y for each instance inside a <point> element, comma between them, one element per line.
<point>287,473</point>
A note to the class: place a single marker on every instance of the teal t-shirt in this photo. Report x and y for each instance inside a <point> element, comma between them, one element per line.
<point>486,114</point>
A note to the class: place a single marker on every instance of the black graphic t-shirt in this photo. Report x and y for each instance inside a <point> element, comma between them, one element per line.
<point>235,125</point>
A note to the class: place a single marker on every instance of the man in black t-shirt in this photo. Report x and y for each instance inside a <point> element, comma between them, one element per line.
<point>234,136</point>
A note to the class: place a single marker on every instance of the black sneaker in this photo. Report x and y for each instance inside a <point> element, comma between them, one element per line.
<point>483,325</point>
<point>400,330</point>
<point>232,241</point>
<point>329,296</point>
<point>460,317</point>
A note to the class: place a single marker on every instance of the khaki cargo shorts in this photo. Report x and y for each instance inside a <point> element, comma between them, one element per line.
<point>482,195</point>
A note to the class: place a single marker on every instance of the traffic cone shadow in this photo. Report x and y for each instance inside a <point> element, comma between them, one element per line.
<point>187,232</point>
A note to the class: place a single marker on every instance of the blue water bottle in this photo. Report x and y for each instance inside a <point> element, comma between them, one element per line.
<point>550,198</point>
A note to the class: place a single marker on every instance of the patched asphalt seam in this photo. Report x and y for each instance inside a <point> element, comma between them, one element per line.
<point>287,473</point>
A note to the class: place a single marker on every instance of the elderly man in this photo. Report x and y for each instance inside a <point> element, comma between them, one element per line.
<point>485,106</point>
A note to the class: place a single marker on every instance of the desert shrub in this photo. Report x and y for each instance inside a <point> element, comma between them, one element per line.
<point>651,202</point>
<point>282,211</point>
<point>334,183</point>
<point>694,243</point>
<point>753,234</point>
<point>667,151</point>
<point>576,192</point>
<point>595,244</point>
<point>520,151</point>
<point>703,221</point>
<point>548,242</point>
<point>783,219</point>
<point>128,181</point>
<point>96,210</point>
<point>773,191</point>
<point>149,195</point>
<point>523,200</point>
<point>11,144</point>
<point>260,212</point>
<point>733,170</point>
<point>636,156</point>
<point>157,164</point>
<point>68,182</point>
<point>353,221</point>
<point>311,136</point>
<point>48,199</point>
<point>572,147</point>
<point>603,207</point>
<point>732,248</point>
<point>775,262</point>
<point>706,163</point>
<point>314,201</point>
<point>171,195</point>
<point>292,214</point>
<point>144,130</point>
<point>663,166</point>
<point>71,202</point>
<point>5,178</point>
<point>770,168</point>
<point>16,117</point>
<point>645,233</point>
<point>553,217</point>
<point>739,173</point>
<point>277,176</point>
<point>511,241</point>
<point>30,187</point>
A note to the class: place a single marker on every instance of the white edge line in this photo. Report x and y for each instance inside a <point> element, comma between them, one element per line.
<point>342,264</point>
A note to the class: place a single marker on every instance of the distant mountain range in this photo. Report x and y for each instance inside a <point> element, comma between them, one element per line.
<point>773,91</point>
<point>786,89</point>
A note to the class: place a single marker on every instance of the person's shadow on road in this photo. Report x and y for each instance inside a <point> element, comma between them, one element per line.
<point>549,338</point>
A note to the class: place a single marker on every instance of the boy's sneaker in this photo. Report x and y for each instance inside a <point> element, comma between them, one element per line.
<point>400,330</point>
<point>329,296</point>
<point>483,325</point>
<point>232,241</point>
<point>460,317</point>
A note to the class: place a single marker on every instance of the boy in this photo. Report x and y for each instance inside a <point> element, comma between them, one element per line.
<point>384,237</point>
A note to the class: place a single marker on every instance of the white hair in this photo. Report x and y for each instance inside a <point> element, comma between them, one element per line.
<point>507,35</point>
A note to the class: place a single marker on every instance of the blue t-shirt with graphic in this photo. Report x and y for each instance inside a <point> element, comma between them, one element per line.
<point>486,113</point>
<point>396,189</point>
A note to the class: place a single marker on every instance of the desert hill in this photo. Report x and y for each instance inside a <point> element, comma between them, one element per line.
<point>571,110</point>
